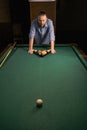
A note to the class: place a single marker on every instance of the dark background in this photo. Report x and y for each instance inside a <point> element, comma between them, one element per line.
<point>71,22</point>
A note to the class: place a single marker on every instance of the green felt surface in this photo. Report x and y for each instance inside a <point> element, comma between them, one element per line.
<point>59,79</point>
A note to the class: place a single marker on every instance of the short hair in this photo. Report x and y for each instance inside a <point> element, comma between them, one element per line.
<point>42,13</point>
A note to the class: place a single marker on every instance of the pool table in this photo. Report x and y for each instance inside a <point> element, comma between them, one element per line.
<point>59,79</point>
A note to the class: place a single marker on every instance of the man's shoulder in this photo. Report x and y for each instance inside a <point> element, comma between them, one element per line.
<point>49,21</point>
<point>34,22</point>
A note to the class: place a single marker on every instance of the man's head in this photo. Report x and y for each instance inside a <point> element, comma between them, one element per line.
<point>42,18</point>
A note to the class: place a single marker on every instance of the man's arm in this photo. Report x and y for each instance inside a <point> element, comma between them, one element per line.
<point>52,47</point>
<point>31,38</point>
<point>31,42</point>
<point>52,38</point>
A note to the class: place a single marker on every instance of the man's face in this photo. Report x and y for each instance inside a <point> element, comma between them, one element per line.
<point>42,20</point>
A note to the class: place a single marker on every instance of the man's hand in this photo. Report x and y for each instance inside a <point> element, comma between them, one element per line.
<point>53,51</point>
<point>30,51</point>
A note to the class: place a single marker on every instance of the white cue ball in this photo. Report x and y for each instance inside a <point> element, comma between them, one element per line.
<point>39,102</point>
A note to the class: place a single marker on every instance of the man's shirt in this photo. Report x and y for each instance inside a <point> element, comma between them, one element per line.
<point>42,35</point>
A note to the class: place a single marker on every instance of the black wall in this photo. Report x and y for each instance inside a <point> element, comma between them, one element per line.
<point>72,22</point>
<point>20,15</point>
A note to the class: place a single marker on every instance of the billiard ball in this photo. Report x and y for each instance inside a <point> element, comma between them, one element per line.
<point>44,52</point>
<point>48,51</point>
<point>35,50</point>
<point>39,52</point>
<point>39,102</point>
